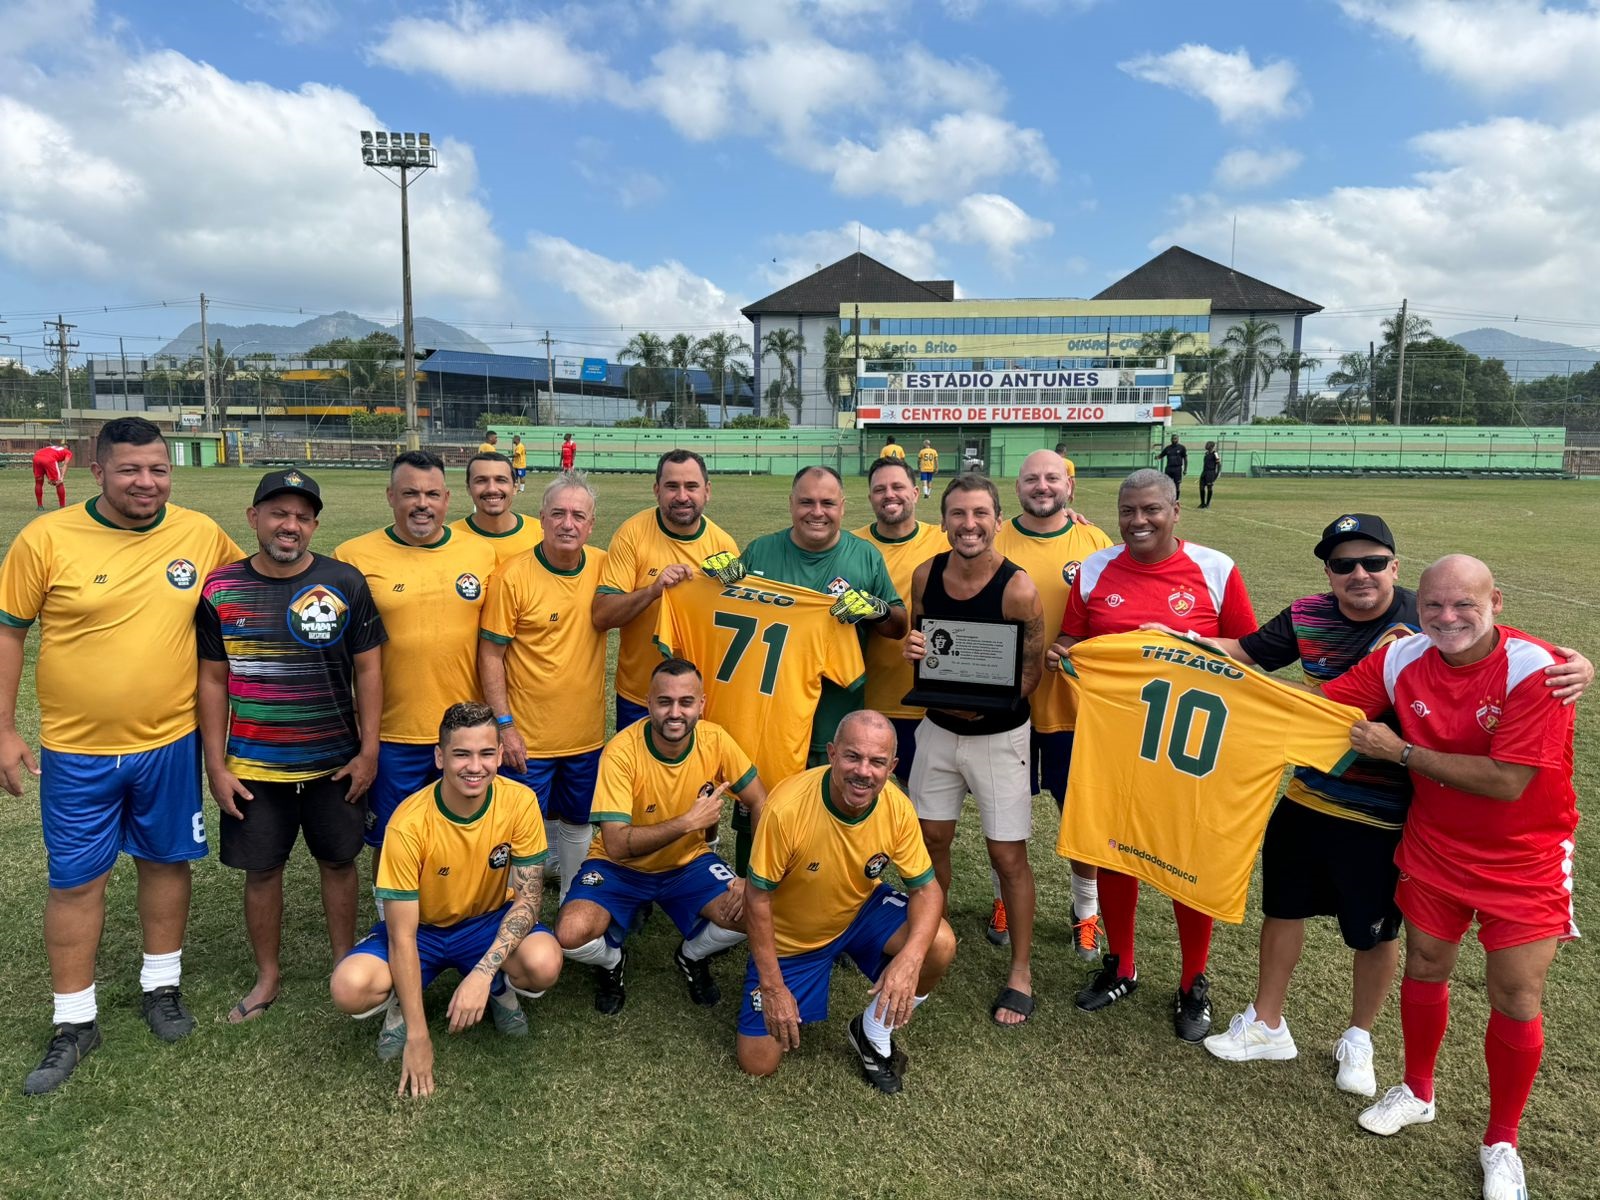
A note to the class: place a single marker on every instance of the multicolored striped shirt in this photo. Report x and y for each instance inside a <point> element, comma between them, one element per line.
<point>290,645</point>
<point>1327,644</point>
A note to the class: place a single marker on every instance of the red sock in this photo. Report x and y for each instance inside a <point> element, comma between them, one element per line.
<point>1512,1049</point>
<point>1119,906</point>
<point>38,490</point>
<point>1194,938</point>
<point>1424,1014</point>
<point>61,495</point>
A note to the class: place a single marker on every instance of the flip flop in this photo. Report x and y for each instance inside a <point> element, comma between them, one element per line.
<point>1012,1001</point>
<point>241,1013</point>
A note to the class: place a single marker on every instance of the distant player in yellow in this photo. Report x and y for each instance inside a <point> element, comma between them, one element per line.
<point>519,462</point>
<point>892,449</point>
<point>927,465</point>
<point>542,664</point>
<point>652,551</point>
<point>114,584</point>
<point>461,878</point>
<point>490,443</point>
<point>816,893</point>
<point>491,485</point>
<point>428,583</point>
<point>663,780</point>
<point>905,543</point>
<point>1046,542</point>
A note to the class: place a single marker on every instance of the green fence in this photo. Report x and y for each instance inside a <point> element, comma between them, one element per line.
<point>730,451</point>
<point>1314,449</point>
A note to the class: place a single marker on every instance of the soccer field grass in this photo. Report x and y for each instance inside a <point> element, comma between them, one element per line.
<point>650,1103</point>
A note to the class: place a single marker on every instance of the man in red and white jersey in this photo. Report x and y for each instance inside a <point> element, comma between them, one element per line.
<point>1489,837</point>
<point>1154,576</point>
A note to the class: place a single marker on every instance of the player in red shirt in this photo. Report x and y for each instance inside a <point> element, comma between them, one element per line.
<point>1153,576</point>
<point>50,462</point>
<point>569,451</point>
<point>1489,836</point>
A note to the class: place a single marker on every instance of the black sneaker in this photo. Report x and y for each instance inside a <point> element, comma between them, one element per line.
<point>703,989</point>
<point>1191,1015</point>
<point>166,1015</point>
<point>882,1071</point>
<point>68,1044</point>
<point>609,993</point>
<point>1108,986</point>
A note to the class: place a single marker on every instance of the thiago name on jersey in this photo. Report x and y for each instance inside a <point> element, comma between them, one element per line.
<point>1178,656</point>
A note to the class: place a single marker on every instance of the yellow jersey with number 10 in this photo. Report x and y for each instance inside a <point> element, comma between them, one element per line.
<point>888,673</point>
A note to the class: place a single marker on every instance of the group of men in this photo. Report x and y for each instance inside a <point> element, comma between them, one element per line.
<point>776,675</point>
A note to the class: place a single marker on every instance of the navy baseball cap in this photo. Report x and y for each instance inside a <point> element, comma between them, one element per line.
<point>290,480</point>
<point>1352,527</point>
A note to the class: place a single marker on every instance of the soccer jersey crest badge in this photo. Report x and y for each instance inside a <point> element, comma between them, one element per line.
<point>1181,602</point>
<point>876,864</point>
<point>500,856</point>
<point>318,616</point>
<point>181,574</point>
<point>468,586</point>
<point>838,585</point>
<point>1488,715</point>
<point>1069,572</point>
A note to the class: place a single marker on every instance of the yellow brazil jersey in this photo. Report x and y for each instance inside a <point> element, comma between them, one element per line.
<point>429,598</point>
<point>555,657</point>
<point>764,648</point>
<point>892,451</point>
<point>457,868</point>
<point>488,448</point>
<point>638,551</point>
<point>1177,761</point>
<point>928,460</point>
<point>117,657</point>
<point>822,865</point>
<point>1051,561</point>
<point>1072,471</point>
<point>519,456</point>
<point>638,785</point>
<point>527,534</point>
<point>888,673</point>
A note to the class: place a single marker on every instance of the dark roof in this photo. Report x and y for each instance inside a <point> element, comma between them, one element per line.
<point>855,277</point>
<point>1179,274</point>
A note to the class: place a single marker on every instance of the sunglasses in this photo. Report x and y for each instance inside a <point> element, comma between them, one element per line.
<point>1370,563</point>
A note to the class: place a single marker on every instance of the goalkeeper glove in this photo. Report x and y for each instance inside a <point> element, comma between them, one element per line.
<point>724,567</point>
<point>853,606</point>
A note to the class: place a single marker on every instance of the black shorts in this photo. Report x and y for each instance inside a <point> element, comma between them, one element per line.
<point>1050,762</point>
<point>262,841</point>
<point>1316,865</point>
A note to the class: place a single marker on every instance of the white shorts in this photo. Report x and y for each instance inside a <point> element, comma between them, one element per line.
<point>992,766</point>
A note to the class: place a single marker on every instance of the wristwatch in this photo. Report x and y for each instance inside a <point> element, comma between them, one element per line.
<point>1405,755</point>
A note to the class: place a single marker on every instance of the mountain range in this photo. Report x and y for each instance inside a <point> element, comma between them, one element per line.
<point>292,341</point>
<point>1526,357</point>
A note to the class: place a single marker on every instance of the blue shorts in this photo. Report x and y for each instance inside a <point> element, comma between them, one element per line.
<point>807,975</point>
<point>1050,761</point>
<point>927,477</point>
<point>441,947</point>
<point>629,713</point>
<point>565,786</point>
<point>96,806</point>
<point>905,732</point>
<point>402,769</point>
<point>681,892</point>
<point>519,473</point>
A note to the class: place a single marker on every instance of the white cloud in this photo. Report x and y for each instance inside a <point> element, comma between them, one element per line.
<point>799,254</point>
<point>297,20</point>
<point>517,57</point>
<point>991,221</point>
<point>1245,168</point>
<point>1241,91</point>
<point>693,90</point>
<point>1495,46</point>
<point>954,155</point>
<point>666,294</point>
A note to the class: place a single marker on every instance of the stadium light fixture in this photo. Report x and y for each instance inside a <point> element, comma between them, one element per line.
<point>404,152</point>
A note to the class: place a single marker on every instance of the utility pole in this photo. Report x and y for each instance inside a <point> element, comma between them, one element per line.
<point>550,381</point>
<point>1400,373</point>
<point>205,359</point>
<point>413,434</point>
<point>1372,395</point>
<point>63,355</point>
<point>123,354</point>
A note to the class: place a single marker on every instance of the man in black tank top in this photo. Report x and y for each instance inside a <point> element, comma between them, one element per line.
<point>982,753</point>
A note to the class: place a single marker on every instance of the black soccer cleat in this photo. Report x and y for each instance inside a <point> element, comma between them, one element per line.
<point>166,1014</point>
<point>703,989</point>
<point>68,1046</point>
<point>1108,986</point>
<point>882,1071</point>
<point>1191,1014</point>
<point>609,993</point>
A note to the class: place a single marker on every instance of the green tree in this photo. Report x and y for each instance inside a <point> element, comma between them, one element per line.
<point>369,370</point>
<point>1159,343</point>
<point>684,411</point>
<point>838,365</point>
<point>1254,346</point>
<point>647,378</point>
<point>785,345</point>
<point>1353,378</point>
<point>1294,362</point>
<point>721,354</point>
<point>1211,389</point>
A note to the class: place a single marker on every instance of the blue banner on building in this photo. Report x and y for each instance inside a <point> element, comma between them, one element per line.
<point>594,370</point>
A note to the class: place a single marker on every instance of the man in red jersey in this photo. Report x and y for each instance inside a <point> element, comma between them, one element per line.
<point>1153,576</point>
<point>1489,836</point>
<point>50,463</point>
<point>569,452</point>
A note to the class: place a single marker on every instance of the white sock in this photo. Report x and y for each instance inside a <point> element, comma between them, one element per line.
<point>572,848</point>
<point>1250,1017</point>
<point>552,841</point>
<point>74,1008</point>
<point>710,940</point>
<point>1358,1036</point>
<point>1085,896</point>
<point>994,878</point>
<point>598,953</point>
<point>877,1032</point>
<point>375,1009</point>
<point>523,994</point>
<point>160,970</point>
<point>714,844</point>
<point>377,902</point>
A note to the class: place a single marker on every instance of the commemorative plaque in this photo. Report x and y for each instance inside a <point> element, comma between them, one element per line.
<point>969,665</point>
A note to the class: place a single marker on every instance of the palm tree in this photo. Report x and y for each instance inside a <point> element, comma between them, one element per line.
<point>369,364</point>
<point>719,354</point>
<point>1353,378</point>
<point>646,380</point>
<point>1160,343</point>
<point>1211,387</point>
<point>838,363</point>
<point>1294,362</point>
<point>1255,345</point>
<point>780,344</point>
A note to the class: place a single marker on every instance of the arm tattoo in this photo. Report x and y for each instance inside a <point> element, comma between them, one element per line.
<point>528,884</point>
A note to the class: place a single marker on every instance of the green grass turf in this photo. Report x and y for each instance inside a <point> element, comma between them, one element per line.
<point>651,1104</point>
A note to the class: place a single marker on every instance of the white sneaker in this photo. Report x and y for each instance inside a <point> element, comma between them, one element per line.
<point>1355,1067</point>
<point>1252,1041</point>
<point>1398,1108</point>
<point>1502,1172</point>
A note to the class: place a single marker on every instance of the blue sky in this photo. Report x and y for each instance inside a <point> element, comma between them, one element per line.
<point>610,167</point>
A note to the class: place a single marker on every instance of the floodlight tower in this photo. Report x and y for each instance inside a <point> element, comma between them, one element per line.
<point>404,153</point>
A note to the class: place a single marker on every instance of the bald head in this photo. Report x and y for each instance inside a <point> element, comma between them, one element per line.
<point>1044,487</point>
<point>866,722</point>
<point>1458,602</point>
<point>1457,571</point>
<point>861,755</point>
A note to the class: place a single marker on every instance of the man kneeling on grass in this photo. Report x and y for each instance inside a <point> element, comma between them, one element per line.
<point>461,878</point>
<point>821,842</point>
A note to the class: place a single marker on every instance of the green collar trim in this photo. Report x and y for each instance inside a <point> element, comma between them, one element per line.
<point>681,537</point>
<point>827,801</point>
<point>889,541</point>
<point>94,512</point>
<point>512,532</point>
<point>650,745</point>
<point>438,799</point>
<point>583,558</point>
<point>400,541</point>
<point>1016,523</point>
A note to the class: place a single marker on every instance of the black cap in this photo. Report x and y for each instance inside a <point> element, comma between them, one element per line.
<point>290,480</point>
<point>1352,527</point>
